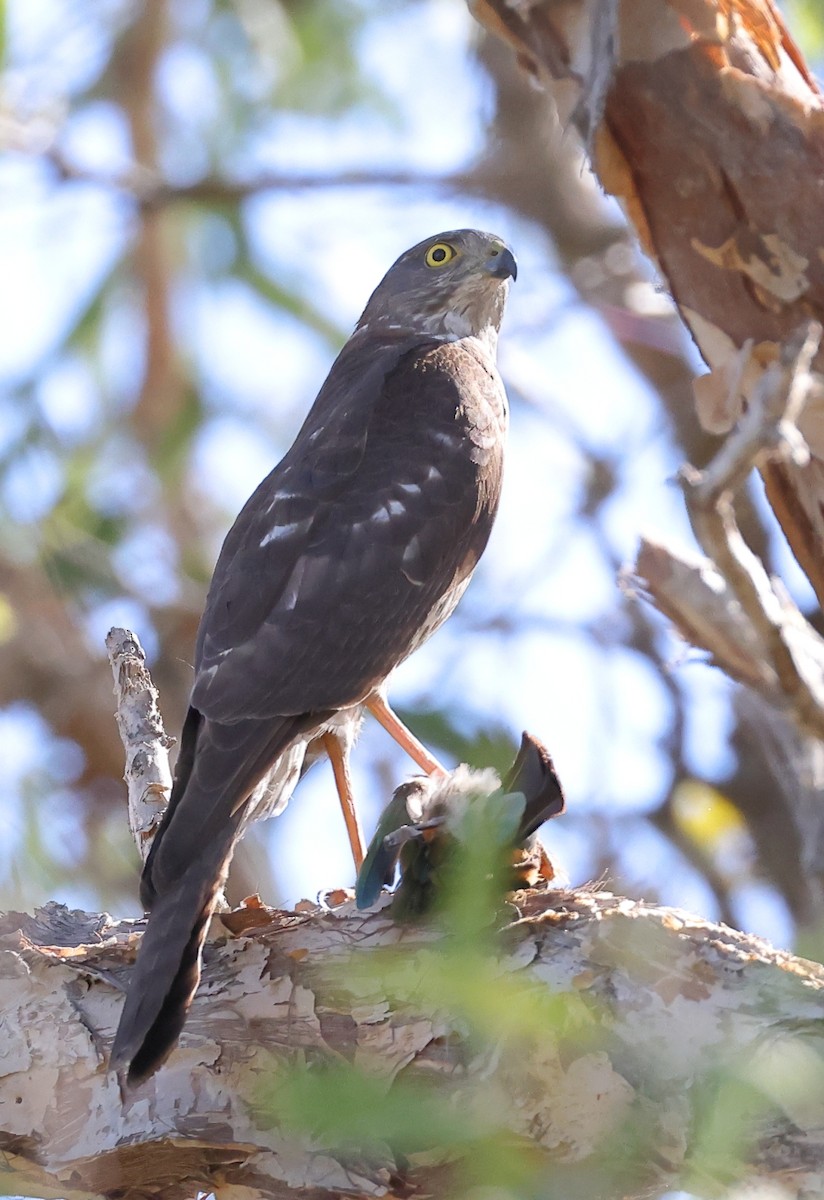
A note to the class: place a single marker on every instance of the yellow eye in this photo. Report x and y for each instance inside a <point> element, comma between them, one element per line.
<point>439,254</point>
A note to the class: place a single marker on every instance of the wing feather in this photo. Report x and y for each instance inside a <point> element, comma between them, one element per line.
<point>347,549</point>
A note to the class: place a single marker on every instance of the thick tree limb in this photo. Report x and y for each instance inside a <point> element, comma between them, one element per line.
<point>705,122</point>
<point>649,1017</point>
<point>654,1007</point>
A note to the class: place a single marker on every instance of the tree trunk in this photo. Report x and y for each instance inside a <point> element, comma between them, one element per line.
<point>702,118</point>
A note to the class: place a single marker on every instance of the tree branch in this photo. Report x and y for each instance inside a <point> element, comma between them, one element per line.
<point>727,604</point>
<point>592,1019</point>
<point>697,115</point>
<point>148,777</point>
<point>149,190</point>
<point>651,1008</point>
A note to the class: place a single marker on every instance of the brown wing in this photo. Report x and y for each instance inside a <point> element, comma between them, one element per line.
<point>347,549</point>
<point>343,554</point>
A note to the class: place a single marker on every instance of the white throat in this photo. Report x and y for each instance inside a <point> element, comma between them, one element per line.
<point>455,326</point>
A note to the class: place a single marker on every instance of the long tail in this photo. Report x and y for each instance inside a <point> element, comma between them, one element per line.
<point>167,971</point>
<point>218,767</point>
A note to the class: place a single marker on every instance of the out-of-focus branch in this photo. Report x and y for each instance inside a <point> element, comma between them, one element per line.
<point>692,593</point>
<point>144,738</point>
<point>151,191</point>
<point>135,62</point>
<point>779,804</point>
<point>727,603</point>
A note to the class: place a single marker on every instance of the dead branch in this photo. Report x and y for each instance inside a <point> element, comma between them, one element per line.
<point>692,593</point>
<point>727,604</point>
<point>147,775</point>
<point>767,432</point>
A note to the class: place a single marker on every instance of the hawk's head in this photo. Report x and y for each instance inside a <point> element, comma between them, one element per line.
<point>453,285</point>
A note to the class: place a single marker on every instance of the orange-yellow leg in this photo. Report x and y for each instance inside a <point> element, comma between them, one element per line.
<point>343,782</point>
<point>395,727</point>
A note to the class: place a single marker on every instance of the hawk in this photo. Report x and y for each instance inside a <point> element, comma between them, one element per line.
<point>353,551</point>
<point>426,820</point>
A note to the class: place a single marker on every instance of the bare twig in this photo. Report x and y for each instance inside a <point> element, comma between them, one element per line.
<point>691,591</point>
<point>727,603</point>
<point>768,429</point>
<point>145,741</point>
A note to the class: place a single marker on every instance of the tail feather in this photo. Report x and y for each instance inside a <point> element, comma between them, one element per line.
<point>167,972</point>
<point>219,767</point>
<point>222,769</point>
<point>533,774</point>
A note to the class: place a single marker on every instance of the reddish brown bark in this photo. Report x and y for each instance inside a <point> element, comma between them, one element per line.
<point>703,119</point>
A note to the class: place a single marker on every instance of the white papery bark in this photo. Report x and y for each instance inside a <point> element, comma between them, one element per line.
<point>148,776</point>
<point>662,1003</point>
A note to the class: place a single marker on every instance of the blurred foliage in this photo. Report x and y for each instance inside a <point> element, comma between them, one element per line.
<point>807,21</point>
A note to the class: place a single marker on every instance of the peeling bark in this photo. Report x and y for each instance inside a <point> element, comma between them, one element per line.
<point>147,775</point>
<point>704,121</point>
<point>726,603</point>
<point>656,1003</point>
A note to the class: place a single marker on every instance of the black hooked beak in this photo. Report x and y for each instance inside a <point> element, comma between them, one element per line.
<point>501,264</point>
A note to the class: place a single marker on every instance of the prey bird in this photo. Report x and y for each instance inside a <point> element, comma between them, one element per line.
<point>425,821</point>
<point>349,555</point>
